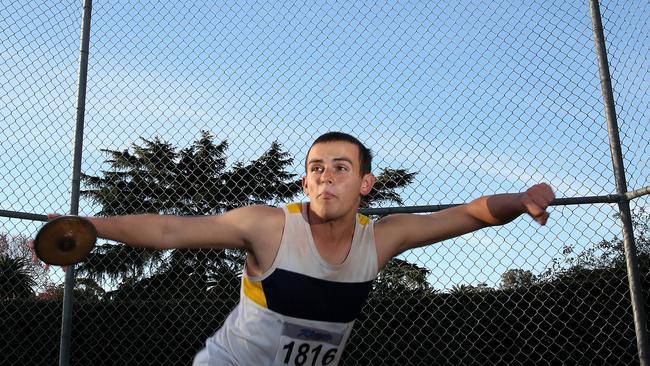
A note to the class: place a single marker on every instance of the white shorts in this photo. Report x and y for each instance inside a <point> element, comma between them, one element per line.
<point>203,359</point>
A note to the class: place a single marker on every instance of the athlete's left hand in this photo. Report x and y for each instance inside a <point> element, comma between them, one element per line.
<point>535,201</point>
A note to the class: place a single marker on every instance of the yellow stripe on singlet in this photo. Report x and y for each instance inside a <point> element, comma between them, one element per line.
<point>294,208</point>
<point>363,219</point>
<point>254,291</point>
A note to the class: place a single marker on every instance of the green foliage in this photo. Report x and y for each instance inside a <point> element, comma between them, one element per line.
<point>19,275</point>
<point>16,280</point>
<point>384,189</point>
<point>605,259</point>
<point>159,178</point>
<point>516,278</point>
<point>85,290</point>
<point>401,278</point>
<point>464,289</point>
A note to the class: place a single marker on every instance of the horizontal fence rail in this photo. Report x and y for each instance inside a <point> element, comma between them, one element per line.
<point>565,201</point>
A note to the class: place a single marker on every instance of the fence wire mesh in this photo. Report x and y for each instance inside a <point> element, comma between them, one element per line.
<point>195,108</point>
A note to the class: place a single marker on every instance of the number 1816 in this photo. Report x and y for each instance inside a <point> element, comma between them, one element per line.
<point>306,353</point>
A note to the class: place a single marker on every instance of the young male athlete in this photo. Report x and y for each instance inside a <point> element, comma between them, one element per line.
<point>310,266</point>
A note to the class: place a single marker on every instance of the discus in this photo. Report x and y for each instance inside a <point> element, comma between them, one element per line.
<point>65,240</point>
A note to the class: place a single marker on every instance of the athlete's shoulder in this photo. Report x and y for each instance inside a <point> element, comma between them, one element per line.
<point>392,222</point>
<point>256,214</point>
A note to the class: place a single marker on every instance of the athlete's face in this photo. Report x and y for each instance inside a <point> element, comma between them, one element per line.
<point>334,182</point>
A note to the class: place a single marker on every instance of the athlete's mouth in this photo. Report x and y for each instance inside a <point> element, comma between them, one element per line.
<point>326,195</point>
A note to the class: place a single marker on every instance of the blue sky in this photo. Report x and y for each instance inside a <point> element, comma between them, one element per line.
<point>480,98</point>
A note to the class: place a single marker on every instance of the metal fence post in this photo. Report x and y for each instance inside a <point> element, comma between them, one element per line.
<point>66,323</point>
<point>621,186</point>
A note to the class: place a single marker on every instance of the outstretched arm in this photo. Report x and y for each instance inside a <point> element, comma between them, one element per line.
<point>500,209</point>
<point>397,233</point>
<point>233,229</point>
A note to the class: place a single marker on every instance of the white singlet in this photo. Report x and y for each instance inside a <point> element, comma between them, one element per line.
<point>301,311</point>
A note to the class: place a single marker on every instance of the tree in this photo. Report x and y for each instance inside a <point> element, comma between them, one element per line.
<point>85,289</point>
<point>464,289</point>
<point>605,258</point>
<point>19,275</point>
<point>157,177</point>
<point>399,278</point>
<point>384,189</point>
<point>517,278</point>
<point>16,281</point>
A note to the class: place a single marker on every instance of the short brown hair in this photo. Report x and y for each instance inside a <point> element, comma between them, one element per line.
<point>365,155</point>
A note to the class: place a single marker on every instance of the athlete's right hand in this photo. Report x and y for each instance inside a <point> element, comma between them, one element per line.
<point>30,244</point>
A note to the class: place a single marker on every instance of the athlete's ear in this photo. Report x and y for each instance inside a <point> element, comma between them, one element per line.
<point>367,182</point>
<point>304,184</point>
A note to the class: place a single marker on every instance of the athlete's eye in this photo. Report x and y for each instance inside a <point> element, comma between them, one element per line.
<point>317,169</point>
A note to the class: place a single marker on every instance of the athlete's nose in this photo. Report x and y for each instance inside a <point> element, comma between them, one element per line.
<point>326,177</point>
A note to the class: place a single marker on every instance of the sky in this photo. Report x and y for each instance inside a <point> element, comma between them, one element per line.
<point>478,98</point>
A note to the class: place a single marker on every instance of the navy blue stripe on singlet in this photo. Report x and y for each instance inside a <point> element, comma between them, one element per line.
<point>300,296</point>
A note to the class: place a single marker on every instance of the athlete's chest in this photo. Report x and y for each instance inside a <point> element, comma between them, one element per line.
<point>302,296</point>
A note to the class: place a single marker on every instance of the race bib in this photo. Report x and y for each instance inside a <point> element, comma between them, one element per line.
<point>308,346</point>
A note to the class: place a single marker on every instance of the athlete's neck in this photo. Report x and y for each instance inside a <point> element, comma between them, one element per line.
<point>335,233</point>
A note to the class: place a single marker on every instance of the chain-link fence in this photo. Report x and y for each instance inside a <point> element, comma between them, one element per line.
<point>194,108</point>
